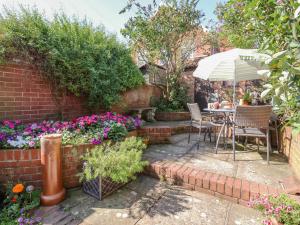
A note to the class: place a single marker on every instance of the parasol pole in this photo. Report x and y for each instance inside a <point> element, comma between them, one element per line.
<point>234,83</point>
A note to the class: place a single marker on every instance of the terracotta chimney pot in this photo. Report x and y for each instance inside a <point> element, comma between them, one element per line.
<point>53,191</point>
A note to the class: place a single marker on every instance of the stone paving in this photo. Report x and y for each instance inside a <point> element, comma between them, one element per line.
<point>147,201</point>
<point>250,164</point>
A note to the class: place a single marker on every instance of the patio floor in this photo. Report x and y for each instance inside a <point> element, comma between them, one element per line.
<point>148,201</point>
<point>250,164</point>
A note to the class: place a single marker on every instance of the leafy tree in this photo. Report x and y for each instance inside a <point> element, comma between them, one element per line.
<point>164,34</point>
<point>73,54</point>
<point>274,27</point>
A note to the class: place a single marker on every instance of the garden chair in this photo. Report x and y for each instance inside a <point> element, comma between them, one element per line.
<point>197,121</point>
<point>252,121</point>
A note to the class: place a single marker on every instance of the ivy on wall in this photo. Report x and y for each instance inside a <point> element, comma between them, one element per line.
<point>73,54</point>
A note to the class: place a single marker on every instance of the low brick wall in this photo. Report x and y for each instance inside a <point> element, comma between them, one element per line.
<point>172,116</point>
<point>25,165</point>
<point>156,135</point>
<point>162,134</point>
<point>230,188</point>
<point>290,146</point>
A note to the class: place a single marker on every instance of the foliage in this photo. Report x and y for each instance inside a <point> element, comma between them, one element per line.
<point>73,54</point>
<point>176,103</point>
<point>17,205</point>
<point>119,162</point>
<point>282,207</point>
<point>274,27</point>
<point>164,35</point>
<point>86,129</point>
<point>117,132</point>
<point>247,97</point>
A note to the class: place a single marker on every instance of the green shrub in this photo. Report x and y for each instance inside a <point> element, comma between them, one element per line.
<point>119,162</point>
<point>73,54</point>
<point>117,132</point>
<point>176,103</point>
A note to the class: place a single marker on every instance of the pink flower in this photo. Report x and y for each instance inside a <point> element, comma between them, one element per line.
<point>31,144</point>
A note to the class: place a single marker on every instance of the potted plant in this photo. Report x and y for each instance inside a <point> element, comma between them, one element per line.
<point>109,166</point>
<point>246,100</point>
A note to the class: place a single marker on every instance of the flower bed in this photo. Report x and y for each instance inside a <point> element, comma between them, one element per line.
<point>87,129</point>
<point>281,209</point>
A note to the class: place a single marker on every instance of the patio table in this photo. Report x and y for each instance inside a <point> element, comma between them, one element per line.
<point>226,123</point>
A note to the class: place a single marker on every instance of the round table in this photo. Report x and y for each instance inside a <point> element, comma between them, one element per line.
<point>219,110</point>
<point>225,125</point>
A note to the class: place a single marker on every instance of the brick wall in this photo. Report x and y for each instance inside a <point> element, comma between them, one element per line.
<point>25,95</point>
<point>25,165</point>
<point>290,145</point>
<point>172,116</point>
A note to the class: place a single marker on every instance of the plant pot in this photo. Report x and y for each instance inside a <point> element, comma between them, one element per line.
<point>246,102</point>
<point>100,187</point>
<point>243,102</point>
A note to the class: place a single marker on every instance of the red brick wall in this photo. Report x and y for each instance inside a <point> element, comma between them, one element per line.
<point>172,116</point>
<point>290,145</point>
<point>25,95</point>
<point>25,165</point>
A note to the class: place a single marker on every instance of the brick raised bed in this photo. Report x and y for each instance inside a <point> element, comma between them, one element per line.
<point>172,116</point>
<point>25,164</point>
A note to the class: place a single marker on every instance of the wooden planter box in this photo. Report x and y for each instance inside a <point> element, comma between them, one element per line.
<point>100,188</point>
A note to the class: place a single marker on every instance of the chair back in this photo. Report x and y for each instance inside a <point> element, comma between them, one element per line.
<point>253,116</point>
<point>195,111</point>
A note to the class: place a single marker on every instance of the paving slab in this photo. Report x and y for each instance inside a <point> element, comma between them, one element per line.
<point>250,164</point>
<point>147,201</point>
<point>240,215</point>
<point>182,207</point>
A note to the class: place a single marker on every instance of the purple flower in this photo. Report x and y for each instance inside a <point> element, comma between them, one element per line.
<point>20,219</point>
<point>95,141</point>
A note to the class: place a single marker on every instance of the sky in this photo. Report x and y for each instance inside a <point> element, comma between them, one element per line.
<point>100,12</point>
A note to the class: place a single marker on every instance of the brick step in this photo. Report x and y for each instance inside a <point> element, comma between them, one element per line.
<point>234,189</point>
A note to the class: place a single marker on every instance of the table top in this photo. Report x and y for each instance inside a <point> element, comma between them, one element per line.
<point>219,110</point>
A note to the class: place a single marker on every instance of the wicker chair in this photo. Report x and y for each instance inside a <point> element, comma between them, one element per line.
<point>197,120</point>
<point>252,121</point>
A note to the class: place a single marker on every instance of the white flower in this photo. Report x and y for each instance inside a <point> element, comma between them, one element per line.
<point>264,73</point>
<point>19,142</point>
<point>297,12</point>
